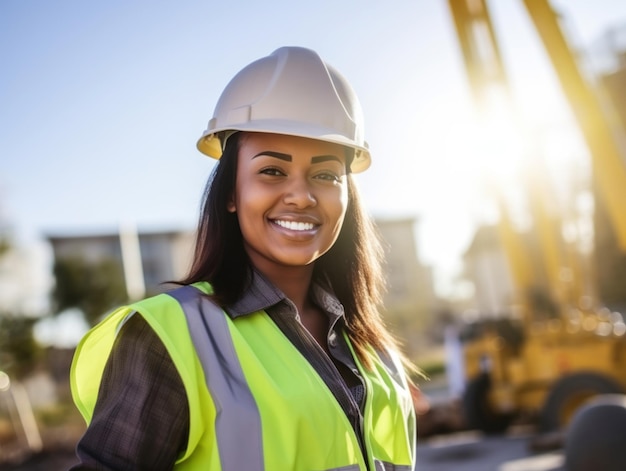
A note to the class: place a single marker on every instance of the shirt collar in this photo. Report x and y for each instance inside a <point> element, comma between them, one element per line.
<point>262,295</point>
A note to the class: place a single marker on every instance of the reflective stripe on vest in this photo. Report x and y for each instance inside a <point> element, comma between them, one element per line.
<point>236,407</point>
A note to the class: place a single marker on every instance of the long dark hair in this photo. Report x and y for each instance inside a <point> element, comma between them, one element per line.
<point>351,268</point>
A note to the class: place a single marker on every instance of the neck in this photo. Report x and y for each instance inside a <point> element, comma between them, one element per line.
<point>294,282</point>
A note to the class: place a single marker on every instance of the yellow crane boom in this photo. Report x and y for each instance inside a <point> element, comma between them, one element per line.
<point>608,165</point>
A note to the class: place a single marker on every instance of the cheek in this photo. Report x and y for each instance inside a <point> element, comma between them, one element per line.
<point>250,207</point>
<point>337,208</point>
<point>344,201</point>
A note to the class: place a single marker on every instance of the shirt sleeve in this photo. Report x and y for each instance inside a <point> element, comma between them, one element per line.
<point>141,418</point>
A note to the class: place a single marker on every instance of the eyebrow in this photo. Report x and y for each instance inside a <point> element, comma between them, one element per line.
<point>323,158</point>
<point>278,155</point>
<point>287,157</point>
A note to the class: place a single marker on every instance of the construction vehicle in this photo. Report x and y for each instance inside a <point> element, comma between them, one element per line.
<point>561,346</point>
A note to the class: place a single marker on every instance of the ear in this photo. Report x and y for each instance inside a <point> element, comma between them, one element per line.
<point>231,207</point>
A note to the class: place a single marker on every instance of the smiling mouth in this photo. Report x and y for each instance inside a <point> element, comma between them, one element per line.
<point>295,225</point>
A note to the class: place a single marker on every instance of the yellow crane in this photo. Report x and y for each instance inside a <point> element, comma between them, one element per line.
<point>543,366</point>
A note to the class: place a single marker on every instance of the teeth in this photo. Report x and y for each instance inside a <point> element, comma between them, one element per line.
<point>295,226</point>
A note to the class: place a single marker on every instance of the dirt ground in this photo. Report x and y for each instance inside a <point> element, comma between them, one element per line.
<point>57,460</point>
<point>57,455</point>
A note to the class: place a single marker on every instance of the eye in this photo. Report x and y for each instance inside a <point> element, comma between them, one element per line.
<point>272,171</point>
<point>329,176</point>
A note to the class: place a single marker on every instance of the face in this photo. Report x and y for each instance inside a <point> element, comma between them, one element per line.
<point>290,198</point>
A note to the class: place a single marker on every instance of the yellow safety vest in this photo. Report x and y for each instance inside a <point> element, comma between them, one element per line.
<point>255,403</point>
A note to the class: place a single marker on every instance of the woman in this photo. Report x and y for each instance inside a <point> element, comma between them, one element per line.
<point>271,355</point>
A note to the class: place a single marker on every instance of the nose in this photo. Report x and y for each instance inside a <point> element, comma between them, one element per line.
<point>300,194</point>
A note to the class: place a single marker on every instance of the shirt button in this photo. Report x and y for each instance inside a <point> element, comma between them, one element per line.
<point>332,339</point>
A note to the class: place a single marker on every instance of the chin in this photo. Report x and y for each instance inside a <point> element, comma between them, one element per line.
<point>297,261</point>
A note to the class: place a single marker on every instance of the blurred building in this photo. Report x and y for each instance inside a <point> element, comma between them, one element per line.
<point>162,256</point>
<point>410,301</point>
<point>487,267</point>
<point>24,283</point>
<point>410,282</point>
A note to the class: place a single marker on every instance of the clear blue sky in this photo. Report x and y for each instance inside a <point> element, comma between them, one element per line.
<point>101,102</point>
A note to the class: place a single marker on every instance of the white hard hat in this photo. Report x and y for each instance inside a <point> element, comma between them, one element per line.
<point>292,91</point>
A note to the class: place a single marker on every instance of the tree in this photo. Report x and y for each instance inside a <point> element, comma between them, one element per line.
<point>18,349</point>
<point>92,287</point>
